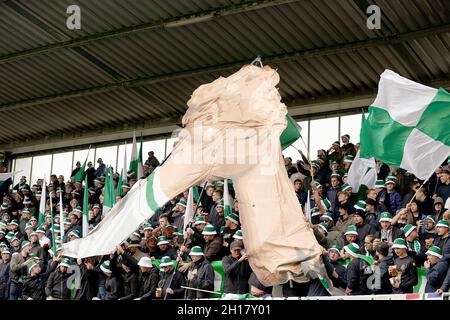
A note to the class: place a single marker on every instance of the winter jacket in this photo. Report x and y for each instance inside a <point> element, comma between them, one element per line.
<point>395,201</point>
<point>213,249</point>
<point>444,244</point>
<point>237,274</point>
<point>57,285</point>
<point>203,279</point>
<point>436,275</point>
<point>88,284</point>
<point>148,282</point>
<point>384,286</point>
<point>18,271</point>
<point>113,288</point>
<point>130,285</point>
<point>358,272</point>
<point>4,281</point>
<point>364,230</point>
<point>177,282</point>
<point>446,284</point>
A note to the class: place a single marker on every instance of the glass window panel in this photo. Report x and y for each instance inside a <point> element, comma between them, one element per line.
<point>323,133</point>
<point>41,168</point>
<point>120,159</point>
<point>80,155</point>
<point>23,164</point>
<point>62,164</point>
<point>108,155</point>
<point>157,146</point>
<point>351,125</point>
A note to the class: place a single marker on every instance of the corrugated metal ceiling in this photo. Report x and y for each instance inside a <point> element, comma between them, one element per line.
<point>50,84</point>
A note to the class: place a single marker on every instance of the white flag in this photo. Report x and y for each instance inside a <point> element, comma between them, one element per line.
<point>362,172</point>
<point>189,213</point>
<point>308,207</point>
<point>42,203</point>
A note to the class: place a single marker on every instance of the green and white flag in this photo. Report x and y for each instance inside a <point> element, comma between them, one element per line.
<point>189,213</point>
<point>226,199</point>
<point>61,215</point>
<point>41,218</point>
<point>123,174</point>
<point>136,158</point>
<point>291,133</point>
<point>6,176</point>
<point>80,174</point>
<point>85,219</point>
<point>109,199</point>
<point>362,172</point>
<point>408,125</point>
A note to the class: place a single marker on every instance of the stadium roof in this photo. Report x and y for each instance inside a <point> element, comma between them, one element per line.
<point>134,64</point>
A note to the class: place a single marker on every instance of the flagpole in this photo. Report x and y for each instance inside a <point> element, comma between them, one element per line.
<point>310,163</point>
<point>184,243</point>
<point>61,215</point>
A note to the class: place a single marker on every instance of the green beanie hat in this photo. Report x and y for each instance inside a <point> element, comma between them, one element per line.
<point>360,205</point>
<point>408,229</point>
<point>209,230</point>
<point>435,251</point>
<point>324,226</point>
<point>233,218</point>
<point>166,261</point>
<point>351,230</point>
<point>106,267</point>
<point>196,251</point>
<point>443,223</point>
<point>352,249</point>
<point>238,235</point>
<point>399,243</point>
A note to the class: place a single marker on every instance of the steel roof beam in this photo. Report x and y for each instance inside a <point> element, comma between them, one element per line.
<point>304,54</point>
<point>173,22</point>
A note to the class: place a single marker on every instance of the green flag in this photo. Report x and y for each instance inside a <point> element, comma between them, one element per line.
<point>407,126</point>
<point>291,133</point>
<point>109,198</point>
<point>80,174</point>
<point>226,200</point>
<point>196,195</point>
<point>85,220</point>
<point>41,218</point>
<point>136,158</point>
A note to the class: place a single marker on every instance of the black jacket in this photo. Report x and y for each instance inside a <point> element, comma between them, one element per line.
<point>383,286</point>
<point>203,279</point>
<point>130,285</point>
<point>148,282</point>
<point>444,244</point>
<point>341,280</point>
<point>113,288</point>
<point>88,284</point>
<point>446,284</point>
<point>237,274</point>
<point>57,285</point>
<point>177,282</point>
<point>364,230</point>
<point>34,287</point>
<point>436,275</point>
<point>358,272</point>
<point>4,281</point>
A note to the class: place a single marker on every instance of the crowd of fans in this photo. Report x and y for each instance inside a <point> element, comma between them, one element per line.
<point>387,231</point>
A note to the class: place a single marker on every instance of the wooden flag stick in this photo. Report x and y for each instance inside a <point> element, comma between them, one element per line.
<point>207,291</point>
